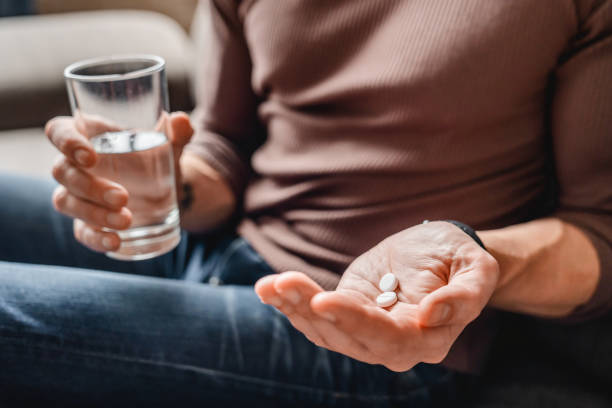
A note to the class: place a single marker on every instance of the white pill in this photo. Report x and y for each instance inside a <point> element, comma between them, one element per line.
<point>388,283</point>
<point>386,299</point>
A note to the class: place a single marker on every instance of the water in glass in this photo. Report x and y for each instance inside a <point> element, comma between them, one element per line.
<point>142,163</point>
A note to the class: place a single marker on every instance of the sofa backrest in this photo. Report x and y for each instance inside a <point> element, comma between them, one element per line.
<point>180,10</point>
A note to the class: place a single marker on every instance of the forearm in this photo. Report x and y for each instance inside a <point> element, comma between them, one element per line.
<point>547,267</point>
<point>207,201</point>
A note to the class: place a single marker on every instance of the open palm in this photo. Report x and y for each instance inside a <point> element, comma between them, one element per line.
<point>445,280</point>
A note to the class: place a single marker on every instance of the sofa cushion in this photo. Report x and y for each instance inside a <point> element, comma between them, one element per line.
<point>36,49</point>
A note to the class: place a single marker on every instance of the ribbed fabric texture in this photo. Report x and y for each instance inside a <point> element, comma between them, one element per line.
<point>342,122</point>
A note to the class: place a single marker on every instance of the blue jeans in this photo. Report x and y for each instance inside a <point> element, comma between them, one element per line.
<point>9,8</point>
<point>78,328</point>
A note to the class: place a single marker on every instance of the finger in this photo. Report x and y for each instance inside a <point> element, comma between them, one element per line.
<point>88,187</point>
<point>75,207</point>
<point>372,326</point>
<point>264,288</point>
<point>397,344</point>
<point>297,288</point>
<point>62,132</point>
<point>461,300</point>
<point>94,238</point>
<point>179,129</point>
<point>306,327</point>
<point>267,294</point>
<point>282,291</point>
<point>349,312</point>
<point>333,339</point>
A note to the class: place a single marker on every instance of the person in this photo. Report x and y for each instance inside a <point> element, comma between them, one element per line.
<point>325,134</point>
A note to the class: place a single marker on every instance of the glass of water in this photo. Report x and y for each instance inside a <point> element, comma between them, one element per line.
<point>121,104</point>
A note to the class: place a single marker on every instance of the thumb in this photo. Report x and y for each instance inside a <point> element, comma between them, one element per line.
<point>179,130</point>
<point>457,303</point>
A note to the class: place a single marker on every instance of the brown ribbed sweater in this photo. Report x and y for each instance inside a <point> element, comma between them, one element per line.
<point>342,122</point>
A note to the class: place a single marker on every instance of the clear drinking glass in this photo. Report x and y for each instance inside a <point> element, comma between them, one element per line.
<point>121,104</point>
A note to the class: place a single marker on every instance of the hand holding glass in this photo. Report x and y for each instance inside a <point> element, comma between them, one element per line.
<point>121,104</point>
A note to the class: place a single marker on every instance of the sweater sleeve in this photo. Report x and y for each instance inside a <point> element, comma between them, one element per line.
<point>581,125</point>
<point>227,129</point>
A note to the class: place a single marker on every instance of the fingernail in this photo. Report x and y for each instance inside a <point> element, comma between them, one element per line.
<point>81,156</point>
<point>274,301</point>
<point>115,219</point>
<point>113,197</point>
<point>440,314</point>
<point>108,242</point>
<point>292,295</point>
<point>329,317</point>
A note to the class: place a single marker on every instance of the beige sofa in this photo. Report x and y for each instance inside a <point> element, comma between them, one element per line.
<point>179,10</point>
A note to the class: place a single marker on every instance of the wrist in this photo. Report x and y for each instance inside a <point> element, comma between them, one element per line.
<point>206,199</point>
<point>469,231</point>
<point>509,260</point>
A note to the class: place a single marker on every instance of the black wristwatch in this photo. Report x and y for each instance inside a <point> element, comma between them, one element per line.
<point>465,228</point>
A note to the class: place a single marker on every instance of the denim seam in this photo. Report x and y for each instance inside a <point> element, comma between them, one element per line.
<point>236,377</point>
